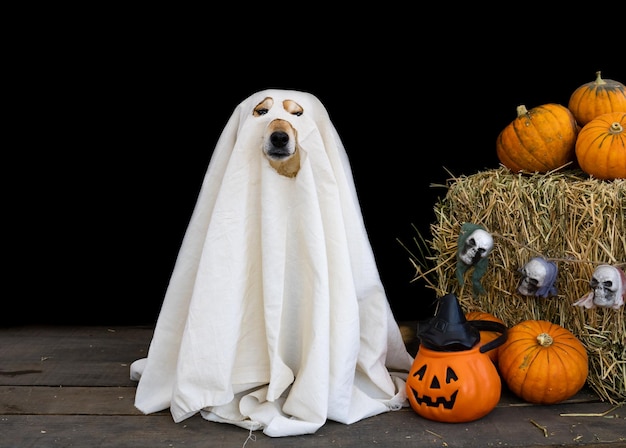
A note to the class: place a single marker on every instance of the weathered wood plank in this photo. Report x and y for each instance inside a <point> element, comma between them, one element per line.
<point>70,356</point>
<point>70,387</point>
<point>38,400</point>
<point>120,400</point>
<point>502,427</point>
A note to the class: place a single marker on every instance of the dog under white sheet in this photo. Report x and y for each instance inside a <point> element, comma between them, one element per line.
<point>275,317</point>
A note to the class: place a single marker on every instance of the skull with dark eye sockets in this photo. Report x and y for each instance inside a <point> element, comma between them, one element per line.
<point>538,278</point>
<point>606,284</point>
<point>477,246</point>
<point>608,288</point>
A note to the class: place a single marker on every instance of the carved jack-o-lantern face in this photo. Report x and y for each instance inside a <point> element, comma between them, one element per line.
<point>453,386</point>
<point>436,391</point>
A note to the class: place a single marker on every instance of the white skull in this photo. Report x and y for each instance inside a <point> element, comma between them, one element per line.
<point>534,276</point>
<point>477,246</point>
<point>606,284</point>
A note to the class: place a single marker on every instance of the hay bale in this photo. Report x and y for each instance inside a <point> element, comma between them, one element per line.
<point>566,217</point>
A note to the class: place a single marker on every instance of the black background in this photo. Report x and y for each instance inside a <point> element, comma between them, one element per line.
<point>115,120</point>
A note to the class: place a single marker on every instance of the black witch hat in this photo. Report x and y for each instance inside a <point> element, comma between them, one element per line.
<point>448,330</point>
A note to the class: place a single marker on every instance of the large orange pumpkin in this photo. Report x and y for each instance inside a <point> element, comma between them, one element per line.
<point>541,139</point>
<point>542,362</point>
<point>458,386</point>
<point>486,336</point>
<point>595,98</point>
<point>601,146</point>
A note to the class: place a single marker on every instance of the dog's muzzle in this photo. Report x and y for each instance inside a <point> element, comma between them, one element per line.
<point>278,147</point>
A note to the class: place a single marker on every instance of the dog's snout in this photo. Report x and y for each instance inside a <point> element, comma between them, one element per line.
<point>279,139</point>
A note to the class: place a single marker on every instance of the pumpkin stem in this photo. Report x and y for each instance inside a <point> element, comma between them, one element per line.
<point>521,110</point>
<point>599,81</point>
<point>616,128</point>
<point>545,340</point>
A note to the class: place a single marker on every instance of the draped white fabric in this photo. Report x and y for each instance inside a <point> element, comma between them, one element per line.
<point>275,317</point>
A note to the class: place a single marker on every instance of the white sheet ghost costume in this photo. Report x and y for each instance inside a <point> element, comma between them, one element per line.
<point>275,317</point>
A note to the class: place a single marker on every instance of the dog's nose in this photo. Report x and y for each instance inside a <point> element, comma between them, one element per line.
<point>279,139</point>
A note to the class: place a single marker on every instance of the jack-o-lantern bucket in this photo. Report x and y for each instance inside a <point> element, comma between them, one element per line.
<point>452,378</point>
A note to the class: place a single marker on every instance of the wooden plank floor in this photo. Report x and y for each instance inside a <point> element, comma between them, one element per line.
<point>70,387</point>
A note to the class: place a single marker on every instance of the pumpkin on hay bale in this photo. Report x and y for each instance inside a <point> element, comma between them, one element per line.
<point>576,221</point>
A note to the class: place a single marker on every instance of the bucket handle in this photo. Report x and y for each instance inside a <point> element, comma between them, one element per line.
<point>488,325</point>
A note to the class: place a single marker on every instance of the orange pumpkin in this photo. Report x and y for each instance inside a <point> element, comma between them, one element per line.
<point>486,336</point>
<point>541,139</point>
<point>457,386</point>
<point>601,146</point>
<point>595,98</point>
<point>542,362</point>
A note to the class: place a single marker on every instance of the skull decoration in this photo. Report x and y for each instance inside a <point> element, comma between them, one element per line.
<point>476,246</point>
<point>538,277</point>
<point>608,288</point>
<point>473,248</point>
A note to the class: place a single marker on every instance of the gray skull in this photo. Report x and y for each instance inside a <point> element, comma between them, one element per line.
<point>477,246</point>
<point>538,278</point>
<point>606,284</point>
<point>534,275</point>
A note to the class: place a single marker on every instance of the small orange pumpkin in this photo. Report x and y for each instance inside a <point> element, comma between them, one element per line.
<point>486,336</point>
<point>538,140</point>
<point>542,362</point>
<point>595,98</point>
<point>601,146</point>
